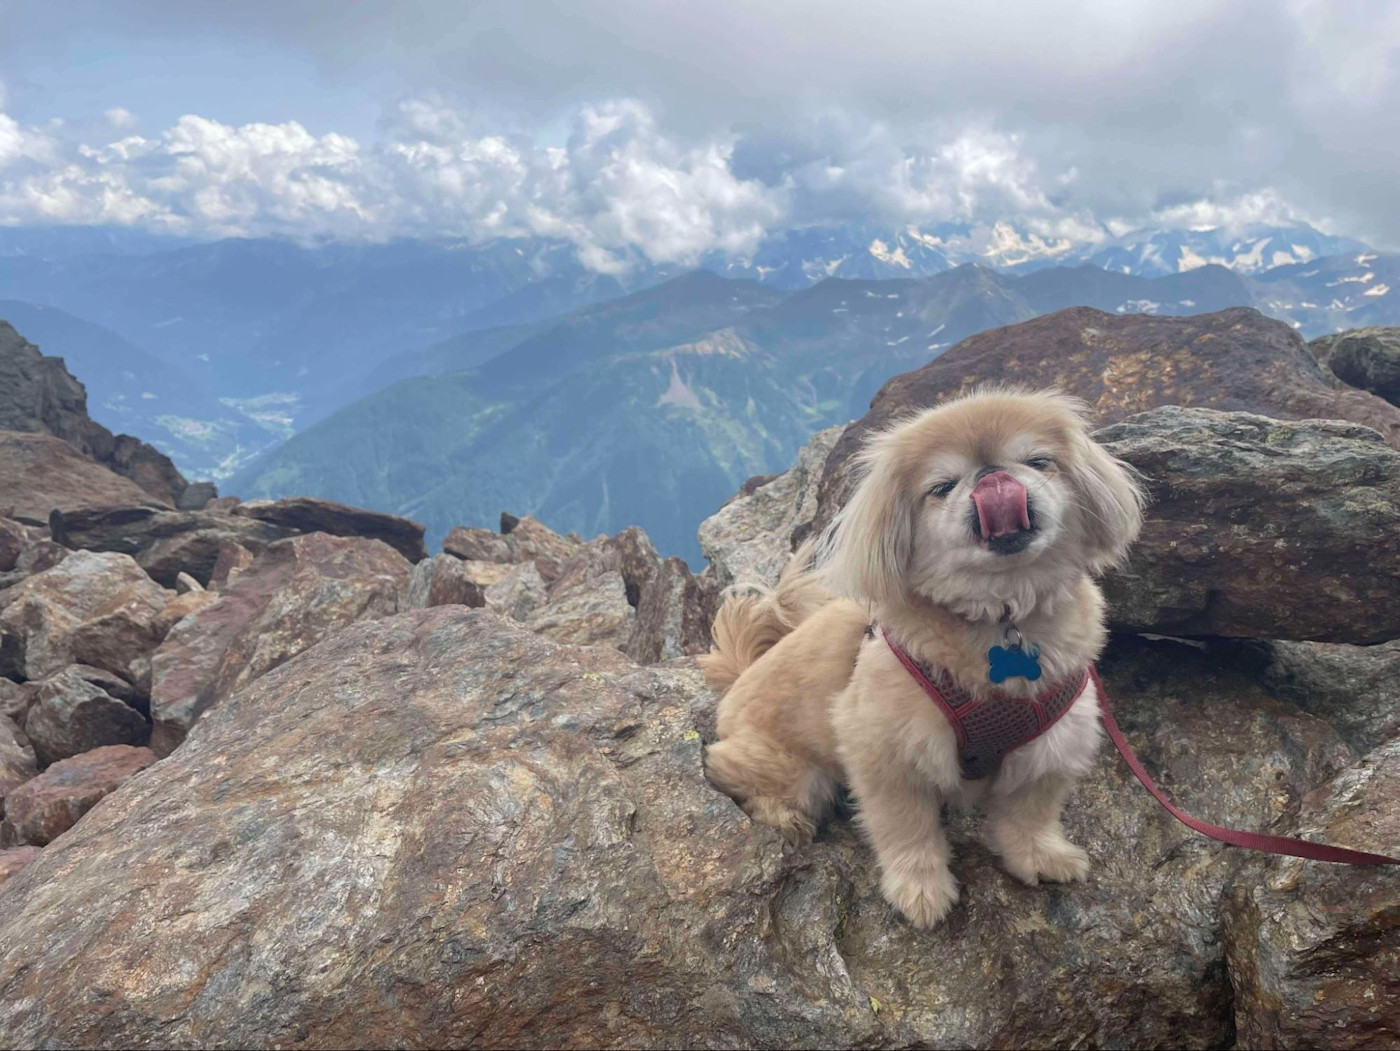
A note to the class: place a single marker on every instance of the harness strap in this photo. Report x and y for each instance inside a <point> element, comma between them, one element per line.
<point>1298,848</point>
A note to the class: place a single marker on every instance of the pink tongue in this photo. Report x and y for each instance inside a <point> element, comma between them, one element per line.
<point>1001,505</point>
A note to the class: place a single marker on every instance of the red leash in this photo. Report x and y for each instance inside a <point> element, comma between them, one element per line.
<point>1298,848</point>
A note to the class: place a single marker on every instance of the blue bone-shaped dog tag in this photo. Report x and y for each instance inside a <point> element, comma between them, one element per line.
<point>1007,662</point>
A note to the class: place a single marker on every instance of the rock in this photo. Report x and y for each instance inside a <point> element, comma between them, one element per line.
<point>43,809</point>
<point>185,584</point>
<point>1368,358</point>
<point>673,616</point>
<point>477,545</point>
<point>13,541</point>
<point>15,699</point>
<point>71,715</point>
<point>302,514</point>
<point>39,556</point>
<point>39,396</point>
<point>40,474</point>
<point>232,559</point>
<point>294,594</point>
<point>1235,360</point>
<point>196,496</point>
<point>518,593</point>
<point>13,860</point>
<point>93,608</point>
<point>753,535</point>
<point>1260,528</point>
<point>443,580</point>
<point>439,824</point>
<point>1356,689</point>
<point>1314,948</point>
<point>164,543</point>
<point>17,762</point>
<point>108,682</point>
<point>533,541</point>
<point>586,604</point>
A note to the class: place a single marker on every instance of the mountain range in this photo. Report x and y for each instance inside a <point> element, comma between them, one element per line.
<point>406,375</point>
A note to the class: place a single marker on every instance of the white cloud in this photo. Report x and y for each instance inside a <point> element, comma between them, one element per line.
<point>120,118</point>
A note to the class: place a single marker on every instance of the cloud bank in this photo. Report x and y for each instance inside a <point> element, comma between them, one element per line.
<point>673,130</point>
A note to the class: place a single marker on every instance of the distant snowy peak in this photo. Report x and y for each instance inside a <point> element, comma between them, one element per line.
<point>1153,253</point>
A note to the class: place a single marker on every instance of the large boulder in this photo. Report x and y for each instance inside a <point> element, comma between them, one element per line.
<point>1314,950</point>
<point>445,580</point>
<point>674,613</point>
<point>41,810</point>
<point>40,474</point>
<point>1236,360</point>
<point>38,395</point>
<point>294,594</point>
<point>304,514</point>
<point>94,608</point>
<point>752,536</point>
<point>1368,358</point>
<point>1260,528</point>
<point>71,715</point>
<point>164,543</point>
<point>442,829</point>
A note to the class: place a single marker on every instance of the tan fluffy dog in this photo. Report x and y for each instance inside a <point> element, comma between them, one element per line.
<point>989,511</point>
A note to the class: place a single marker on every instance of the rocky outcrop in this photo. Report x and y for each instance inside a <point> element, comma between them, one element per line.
<point>297,592</point>
<point>39,474</point>
<point>38,396</point>
<point>444,825</point>
<point>297,515</point>
<point>1260,528</point>
<point>1235,360</point>
<point>93,608</point>
<point>1368,358</point>
<point>41,810</point>
<point>445,580</point>
<point>1314,950</point>
<point>752,536</point>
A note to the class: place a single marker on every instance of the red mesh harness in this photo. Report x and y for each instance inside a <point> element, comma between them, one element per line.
<point>989,728</point>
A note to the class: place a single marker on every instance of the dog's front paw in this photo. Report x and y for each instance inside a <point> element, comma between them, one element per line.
<point>924,898</point>
<point>1053,859</point>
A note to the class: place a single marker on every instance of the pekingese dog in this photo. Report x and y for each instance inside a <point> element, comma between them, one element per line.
<point>958,580</point>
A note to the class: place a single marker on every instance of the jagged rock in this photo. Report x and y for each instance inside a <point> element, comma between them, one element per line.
<point>533,541</point>
<point>443,580</point>
<point>108,682</point>
<point>40,474</point>
<point>44,808</point>
<point>15,859</point>
<point>294,594</point>
<point>197,496</point>
<point>185,584</point>
<point>752,536</point>
<point>1368,358</point>
<point>15,699</point>
<point>439,824</point>
<point>232,559</point>
<point>673,615</point>
<point>17,762</point>
<point>586,603</point>
<point>164,543</point>
<point>518,593</point>
<point>302,514</point>
<point>1260,528</point>
<point>39,396</point>
<point>1356,689</point>
<point>71,715</point>
<point>93,608</point>
<point>1314,949</point>
<point>477,545</point>
<point>1234,360</point>
<point>40,555</point>
<point>13,541</point>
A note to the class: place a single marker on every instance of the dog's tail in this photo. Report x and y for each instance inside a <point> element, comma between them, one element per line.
<point>753,617</point>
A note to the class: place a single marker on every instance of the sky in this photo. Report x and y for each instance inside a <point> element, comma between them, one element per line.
<point>676,129</point>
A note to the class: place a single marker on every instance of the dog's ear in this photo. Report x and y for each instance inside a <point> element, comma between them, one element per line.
<point>1110,499</point>
<point>871,541</point>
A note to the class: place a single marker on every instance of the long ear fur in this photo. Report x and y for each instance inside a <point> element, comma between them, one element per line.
<point>1111,499</point>
<point>871,541</point>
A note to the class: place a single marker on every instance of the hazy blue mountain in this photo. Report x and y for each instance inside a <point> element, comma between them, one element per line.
<point>131,391</point>
<point>1152,253</point>
<point>1328,295</point>
<point>651,409</point>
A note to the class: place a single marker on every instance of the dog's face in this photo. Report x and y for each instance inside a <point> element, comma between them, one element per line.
<point>986,495</point>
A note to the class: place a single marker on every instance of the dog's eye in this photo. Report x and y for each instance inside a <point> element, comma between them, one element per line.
<point>942,489</point>
<point>1040,463</point>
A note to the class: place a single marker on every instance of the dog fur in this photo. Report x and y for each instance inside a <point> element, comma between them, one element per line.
<point>810,702</point>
